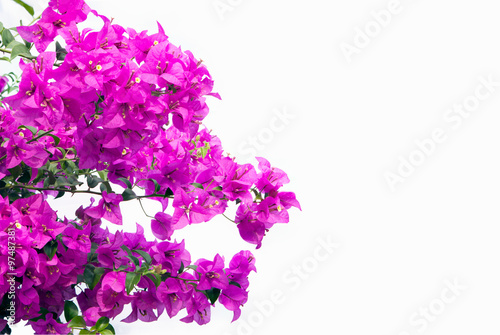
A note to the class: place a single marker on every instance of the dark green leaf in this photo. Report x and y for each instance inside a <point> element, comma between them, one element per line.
<point>73,181</point>
<point>169,193</point>
<point>50,249</point>
<point>155,278</point>
<point>198,185</point>
<point>144,255</point>
<point>181,270</point>
<point>86,332</point>
<point>126,182</point>
<point>134,259</point>
<point>126,249</point>
<point>128,194</point>
<point>60,51</point>
<point>98,272</point>
<point>88,274</point>
<point>46,133</point>
<point>213,294</point>
<point>77,321</point>
<point>105,186</point>
<point>28,8</point>
<point>26,176</point>
<point>60,194</point>
<point>7,37</point>
<point>42,312</point>
<point>70,310</point>
<point>93,181</point>
<point>16,171</point>
<point>157,186</point>
<point>6,330</point>
<point>123,267</point>
<point>131,280</point>
<point>234,283</point>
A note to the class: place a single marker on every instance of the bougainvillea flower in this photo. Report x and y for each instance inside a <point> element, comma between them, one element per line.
<point>233,297</point>
<point>108,208</point>
<point>49,326</point>
<point>211,273</point>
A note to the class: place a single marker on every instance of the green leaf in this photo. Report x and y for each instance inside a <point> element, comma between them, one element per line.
<point>169,193</point>
<point>103,175</point>
<point>234,283</point>
<point>46,133</point>
<point>144,255</point>
<point>155,278</point>
<point>213,294</point>
<point>109,328</point>
<point>98,272</point>
<point>181,270</point>
<point>50,249</point>
<point>105,186</point>
<point>157,186</point>
<point>7,37</point>
<point>1,26</point>
<point>131,280</point>
<point>12,45</point>
<point>86,332</point>
<point>128,194</point>
<point>20,50</point>
<point>61,181</point>
<point>60,194</point>
<point>26,176</point>
<point>73,180</point>
<point>28,8</point>
<point>93,181</point>
<point>126,249</point>
<point>101,324</point>
<point>126,182</point>
<point>198,185</point>
<point>134,260</point>
<point>60,52</point>
<point>42,312</point>
<point>106,332</point>
<point>52,168</point>
<point>16,171</point>
<point>88,274</point>
<point>70,310</point>
<point>77,321</point>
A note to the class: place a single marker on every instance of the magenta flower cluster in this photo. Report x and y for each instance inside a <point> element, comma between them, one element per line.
<point>119,107</point>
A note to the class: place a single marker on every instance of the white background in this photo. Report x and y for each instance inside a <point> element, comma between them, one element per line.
<point>351,123</point>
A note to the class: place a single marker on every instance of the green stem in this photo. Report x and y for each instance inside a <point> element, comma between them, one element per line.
<point>153,196</point>
<point>39,136</point>
<point>51,189</point>
<point>140,202</point>
<point>228,218</point>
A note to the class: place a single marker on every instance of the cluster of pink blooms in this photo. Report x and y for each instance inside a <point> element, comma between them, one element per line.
<point>130,104</point>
